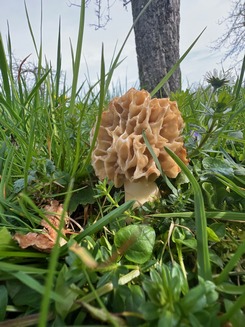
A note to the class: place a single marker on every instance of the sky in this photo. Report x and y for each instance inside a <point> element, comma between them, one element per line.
<point>195,16</point>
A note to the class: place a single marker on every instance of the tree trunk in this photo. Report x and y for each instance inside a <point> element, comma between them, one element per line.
<point>157,43</point>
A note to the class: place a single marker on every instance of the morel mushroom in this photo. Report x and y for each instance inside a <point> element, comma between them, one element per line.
<point>120,153</point>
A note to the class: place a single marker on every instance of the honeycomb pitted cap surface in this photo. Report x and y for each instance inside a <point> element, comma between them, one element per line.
<point>120,153</point>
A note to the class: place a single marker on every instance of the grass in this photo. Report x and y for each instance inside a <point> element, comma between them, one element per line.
<point>180,262</point>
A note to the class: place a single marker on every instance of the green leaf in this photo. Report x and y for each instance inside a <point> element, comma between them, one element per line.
<point>19,184</point>
<point>212,236</point>
<point>22,295</point>
<point>214,258</point>
<point>50,167</point>
<point>195,300</point>
<point>217,165</point>
<point>66,291</point>
<point>226,181</point>
<point>190,243</point>
<point>138,240</point>
<point>238,317</point>
<point>211,195</point>
<point>168,318</point>
<point>104,221</point>
<point>35,285</point>
<point>5,239</point>
<point>4,72</point>
<point>149,311</point>
<point>224,275</point>
<point>229,288</point>
<point>3,302</point>
<point>219,229</point>
<point>83,197</point>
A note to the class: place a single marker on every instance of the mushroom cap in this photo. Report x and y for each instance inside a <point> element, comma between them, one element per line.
<point>120,152</point>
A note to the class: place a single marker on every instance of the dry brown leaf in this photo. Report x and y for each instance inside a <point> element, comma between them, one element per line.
<point>45,241</point>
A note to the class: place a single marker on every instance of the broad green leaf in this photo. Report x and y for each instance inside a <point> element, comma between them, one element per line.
<point>19,184</point>
<point>133,303</point>
<point>50,167</point>
<point>219,229</point>
<point>168,318</point>
<point>217,165</point>
<point>237,317</point>
<point>22,295</point>
<point>35,285</point>
<point>149,311</point>
<point>83,197</point>
<point>137,241</point>
<point>190,243</point>
<point>5,238</point>
<point>199,297</point>
<point>217,260</point>
<point>66,291</point>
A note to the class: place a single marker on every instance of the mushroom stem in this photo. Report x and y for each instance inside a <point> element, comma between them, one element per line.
<point>142,191</point>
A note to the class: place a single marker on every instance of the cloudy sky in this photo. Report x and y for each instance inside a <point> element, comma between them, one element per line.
<point>195,16</point>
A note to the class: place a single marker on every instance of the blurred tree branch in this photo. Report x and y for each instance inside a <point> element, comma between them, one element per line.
<point>102,10</point>
<point>234,37</point>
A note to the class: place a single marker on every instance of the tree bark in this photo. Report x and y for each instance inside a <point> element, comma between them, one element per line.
<point>157,43</point>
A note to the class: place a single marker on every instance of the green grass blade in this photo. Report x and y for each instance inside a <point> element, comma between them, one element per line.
<point>35,285</point>
<point>53,263</point>
<point>93,229</point>
<point>30,28</point>
<point>10,52</point>
<point>109,286</point>
<point>159,167</point>
<point>226,124</point>
<point>227,182</point>
<point>100,108</point>
<point>36,88</point>
<point>203,260</point>
<point>237,305</point>
<point>238,85</point>
<point>224,275</point>
<point>77,60</point>
<point>229,288</point>
<point>29,153</point>
<point>28,269</point>
<point>221,215</point>
<point>20,254</point>
<point>5,176</point>
<point>58,64</point>
<point>4,72</point>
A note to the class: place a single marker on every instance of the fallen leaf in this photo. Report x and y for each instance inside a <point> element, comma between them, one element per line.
<point>45,241</point>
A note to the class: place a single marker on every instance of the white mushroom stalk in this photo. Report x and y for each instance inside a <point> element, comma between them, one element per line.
<point>142,192</point>
<point>120,153</point>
